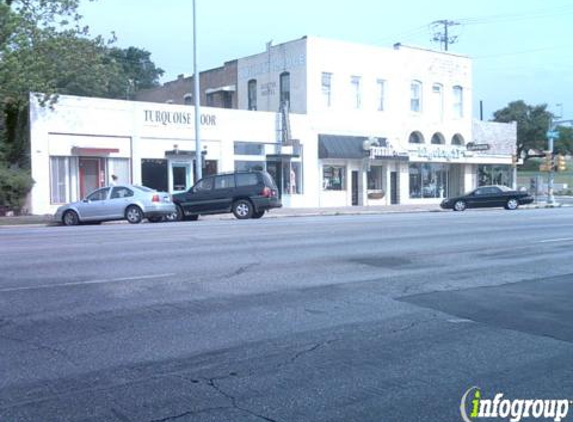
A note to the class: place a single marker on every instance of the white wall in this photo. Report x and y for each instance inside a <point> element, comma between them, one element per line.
<point>398,67</point>
<point>139,132</point>
<point>266,68</point>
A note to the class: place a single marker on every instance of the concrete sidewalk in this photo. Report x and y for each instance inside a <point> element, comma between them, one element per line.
<point>43,220</point>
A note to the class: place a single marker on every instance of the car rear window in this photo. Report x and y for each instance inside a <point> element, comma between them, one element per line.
<point>144,189</point>
<point>269,180</point>
<point>247,179</point>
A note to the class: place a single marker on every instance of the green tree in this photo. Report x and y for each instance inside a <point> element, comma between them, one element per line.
<point>564,144</point>
<point>139,72</point>
<point>532,125</point>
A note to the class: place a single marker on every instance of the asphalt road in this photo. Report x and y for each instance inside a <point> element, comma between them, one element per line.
<point>376,318</point>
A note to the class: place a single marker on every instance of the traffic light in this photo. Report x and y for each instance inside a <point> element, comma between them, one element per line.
<point>560,163</point>
<point>547,164</point>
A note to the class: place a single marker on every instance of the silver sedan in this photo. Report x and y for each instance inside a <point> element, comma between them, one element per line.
<point>126,202</point>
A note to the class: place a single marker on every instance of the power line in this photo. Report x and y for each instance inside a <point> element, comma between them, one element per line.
<point>444,37</point>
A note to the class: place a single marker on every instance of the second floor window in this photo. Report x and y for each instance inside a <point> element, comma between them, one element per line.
<point>458,93</point>
<point>416,96</point>
<point>252,94</point>
<point>327,89</point>
<point>356,86</point>
<point>285,88</point>
<point>381,94</point>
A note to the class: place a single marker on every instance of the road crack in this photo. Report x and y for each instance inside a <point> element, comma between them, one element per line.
<point>40,346</point>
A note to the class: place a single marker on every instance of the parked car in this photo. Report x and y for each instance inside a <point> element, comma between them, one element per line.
<point>488,196</point>
<point>129,202</point>
<point>247,194</point>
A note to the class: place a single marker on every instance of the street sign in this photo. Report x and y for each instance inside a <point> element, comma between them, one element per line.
<point>552,134</point>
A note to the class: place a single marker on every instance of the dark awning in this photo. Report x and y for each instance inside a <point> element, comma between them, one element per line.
<point>339,146</point>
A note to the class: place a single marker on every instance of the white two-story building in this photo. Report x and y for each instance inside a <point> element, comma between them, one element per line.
<point>335,123</point>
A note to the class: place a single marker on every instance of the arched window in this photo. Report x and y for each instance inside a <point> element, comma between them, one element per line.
<point>458,139</point>
<point>285,88</point>
<point>188,99</point>
<point>438,139</point>
<point>416,96</point>
<point>416,138</point>
<point>252,94</point>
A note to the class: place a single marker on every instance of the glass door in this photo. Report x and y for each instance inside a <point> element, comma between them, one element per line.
<point>180,177</point>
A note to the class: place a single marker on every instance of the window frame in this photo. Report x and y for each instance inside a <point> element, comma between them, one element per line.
<point>416,96</point>
<point>326,88</point>
<point>341,172</point>
<point>458,101</point>
<point>381,94</point>
<point>252,95</point>
<point>356,86</point>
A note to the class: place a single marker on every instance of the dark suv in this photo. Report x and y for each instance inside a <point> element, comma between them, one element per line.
<point>248,194</point>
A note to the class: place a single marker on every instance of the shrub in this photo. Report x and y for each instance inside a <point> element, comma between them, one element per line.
<point>15,184</point>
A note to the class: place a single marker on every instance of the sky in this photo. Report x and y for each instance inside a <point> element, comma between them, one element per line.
<point>521,49</point>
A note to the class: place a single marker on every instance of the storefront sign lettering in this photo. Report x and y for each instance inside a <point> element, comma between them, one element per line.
<point>386,152</point>
<point>276,64</point>
<point>477,147</point>
<point>177,118</point>
<point>441,153</point>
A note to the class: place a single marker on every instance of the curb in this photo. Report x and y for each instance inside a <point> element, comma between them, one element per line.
<point>323,213</point>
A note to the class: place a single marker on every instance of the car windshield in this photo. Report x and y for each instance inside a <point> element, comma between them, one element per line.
<point>504,188</point>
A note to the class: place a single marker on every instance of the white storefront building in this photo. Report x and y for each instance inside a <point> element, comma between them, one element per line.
<point>365,126</point>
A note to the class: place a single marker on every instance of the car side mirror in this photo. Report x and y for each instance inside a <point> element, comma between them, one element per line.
<point>85,200</point>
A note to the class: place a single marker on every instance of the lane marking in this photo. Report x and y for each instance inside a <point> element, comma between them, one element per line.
<point>86,283</point>
<point>563,239</point>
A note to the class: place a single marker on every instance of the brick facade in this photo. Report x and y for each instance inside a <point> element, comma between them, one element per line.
<point>218,89</point>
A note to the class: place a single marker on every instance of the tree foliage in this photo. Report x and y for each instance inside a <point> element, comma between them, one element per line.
<point>44,49</point>
<point>564,144</point>
<point>532,125</point>
<point>139,72</point>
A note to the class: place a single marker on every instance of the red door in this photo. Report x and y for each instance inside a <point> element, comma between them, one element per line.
<point>89,175</point>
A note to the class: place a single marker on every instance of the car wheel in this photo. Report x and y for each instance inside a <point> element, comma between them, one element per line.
<point>243,209</point>
<point>133,214</point>
<point>178,215</point>
<point>512,204</point>
<point>258,214</point>
<point>70,218</point>
<point>155,219</point>
<point>460,205</point>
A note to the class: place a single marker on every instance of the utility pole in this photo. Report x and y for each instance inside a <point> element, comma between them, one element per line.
<point>552,135</point>
<point>197,97</point>
<point>444,37</point>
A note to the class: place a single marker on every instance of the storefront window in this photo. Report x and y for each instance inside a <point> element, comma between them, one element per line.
<point>249,148</point>
<point>154,174</point>
<point>249,165</point>
<point>63,179</point>
<point>428,180</point>
<point>494,175</point>
<point>58,179</point>
<point>292,179</point>
<point>119,167</point>
<point>333,178</point>
<point>375,178</point>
